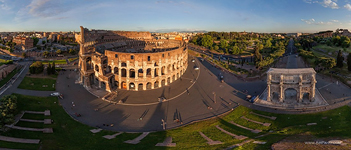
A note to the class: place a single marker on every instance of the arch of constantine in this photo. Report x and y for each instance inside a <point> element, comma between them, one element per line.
<point>302,80</point>
<point>129,60</point>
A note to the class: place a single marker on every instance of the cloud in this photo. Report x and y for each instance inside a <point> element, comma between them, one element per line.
<point>310,1</point>
<point>313,22</point>
<point>3,5</point>
<point>44,8</point>
<point>330,3</point>
<point>348,7</point>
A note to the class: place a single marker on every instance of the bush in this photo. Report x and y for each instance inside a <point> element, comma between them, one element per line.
<point>36,68</point>
<point>8,108</point>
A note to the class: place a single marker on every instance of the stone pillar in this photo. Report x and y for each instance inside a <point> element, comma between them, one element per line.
<point>152,72</point>
<point>281,92</point>
<point>127,73</point>
<point>108,86</point>
<point>269,92</point>
<point>313,88</point>
<point>152,85</point>
<point>144,86</point>
<point>127,84</point>
<point>136,86</point>
<point>99,84</point>
<point>300,96</point>
<point>144,73</point>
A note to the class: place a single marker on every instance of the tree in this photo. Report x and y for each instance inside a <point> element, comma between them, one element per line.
<point>59,51</point>
<point>8,105</point>
<point>268,44</point>
<point>216,47</point>
<point>206,41</point>
<point>326,62</point>
<point>72,51</point>
<point>235,50</point>
<point>339,60</point>
<point>35,41</point>
<point>43,42</point>
<point>24,54</point>
<point>223,44</point>
<point>48,69</point>
<point>258,56</point>
<point>45,53</point>
<point>36,68</point>
<point>349,62</point>
<point>53,68</point>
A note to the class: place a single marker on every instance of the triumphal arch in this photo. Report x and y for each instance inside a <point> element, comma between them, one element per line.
<point>302,80</point>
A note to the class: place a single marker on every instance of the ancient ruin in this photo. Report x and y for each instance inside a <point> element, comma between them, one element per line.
<point>129,60</point>
<point>301,81</point>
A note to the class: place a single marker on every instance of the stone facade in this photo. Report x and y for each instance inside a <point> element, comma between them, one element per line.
<point>129,60</point>
<point>24,43</point>
<point>302,80</point>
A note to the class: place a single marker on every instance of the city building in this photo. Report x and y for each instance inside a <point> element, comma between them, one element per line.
<point>129,60</point>
<point>23,43</point>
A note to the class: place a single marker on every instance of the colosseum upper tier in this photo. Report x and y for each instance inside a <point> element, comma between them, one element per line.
<point>129,60</point>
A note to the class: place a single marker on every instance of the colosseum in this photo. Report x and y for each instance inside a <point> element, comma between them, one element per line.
<point>129,60</point>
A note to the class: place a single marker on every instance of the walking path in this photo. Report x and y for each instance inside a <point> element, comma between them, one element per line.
<point>210,141</point>
<point>138,139</point>
<point>95,130</point>
<point>167,143</point>
<point>264,124</point>
<point>45,121</point>
<point>44,130</point>
<point>46,112</point>
<point>240,144</point>
<point>112,136</point>
<point>239,137</point>
<point>19,140</point>
<point>269,117</point>
<point>252,130</point>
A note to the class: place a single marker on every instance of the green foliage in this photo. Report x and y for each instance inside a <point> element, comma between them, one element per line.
<point>339,60</point>
<point>45,53</point>
<point>206,41</point>
<point>8,109</point>
<point>59,51</point>
<point>325,62</point>
<point>268,44</point>
<point>258,56</point>
<point>48,69</point>
<point>265,62</point>
<point>349,62</point>
<point>306,54</point>
<point>216,47</point>
<point>35,41</point>
<point>36,68</point>
<point>24,54</point>
<point>235,50</point>
<point>53,68</point>
<point>43,42</point>
<point>223,44</point>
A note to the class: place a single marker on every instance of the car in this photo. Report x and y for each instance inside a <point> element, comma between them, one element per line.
<point>55,94</point>
<point>196,68</point>
<point>221,78</point>
<point>193,60</point>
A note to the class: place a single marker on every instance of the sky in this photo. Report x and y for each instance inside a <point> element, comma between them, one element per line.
<point>267,16</point>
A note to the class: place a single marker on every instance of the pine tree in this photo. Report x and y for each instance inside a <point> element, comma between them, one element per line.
<point>48,69</point>
<point>349,62</point>
<point>53,69</point>
<point>339,60</point>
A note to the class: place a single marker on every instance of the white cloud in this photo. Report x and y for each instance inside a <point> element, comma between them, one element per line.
<point>3,5</point>
<point>313,22</point>
<point>348,7</point>
<point>330,3</point>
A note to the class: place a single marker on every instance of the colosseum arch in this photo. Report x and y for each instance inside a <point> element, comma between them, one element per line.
<point>293,83</point>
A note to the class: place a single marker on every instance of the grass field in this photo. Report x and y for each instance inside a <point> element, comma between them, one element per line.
<point>331,48</point>
<point>69,134</point>
<point>37,84</point>
<point>8,77</point>
<point>72,59</point>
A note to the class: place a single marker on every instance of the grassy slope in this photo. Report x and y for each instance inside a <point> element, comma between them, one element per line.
<point>69,134</point>
<point>37,84</point>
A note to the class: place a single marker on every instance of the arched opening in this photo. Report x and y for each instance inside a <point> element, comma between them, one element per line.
<point>306,96</point>
<point>132,73</point>
<point>148,86</point>
<point>163,83</point>
<point>97,68</point>
<point>104,62</point>
<point>169,68</point>
<point>140,87</point>
<point>163,70</point>
<point>168,80</point>
<point>115,70</point>
<point>156,72</point>
<point>275,96</point>
<point>156,85</point>
<point>91,79</point>
<point>88,63</point>
<point>177,75</point>
<point>173,67</point>
<point>131,86</point>
<point>123,85</point>
<point>108,69</point>
<point>290,95</point>
<point>116,84</point>
<point>181,72</point>
<point>173,78</point>
<point>103,85</point>
<point>124,72</point>
<point>148,72</point>
<point>140,73</point>
<point>156,64</point>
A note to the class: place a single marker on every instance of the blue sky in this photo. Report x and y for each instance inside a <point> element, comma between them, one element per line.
<point>183,15</point>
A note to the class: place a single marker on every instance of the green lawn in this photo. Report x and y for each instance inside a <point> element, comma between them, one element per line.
<point>8,77</point>
<point>57,62</point>
<point>37,84</point>
<point>330,48</point>
<point>69,134</point>
<point>72,59</point>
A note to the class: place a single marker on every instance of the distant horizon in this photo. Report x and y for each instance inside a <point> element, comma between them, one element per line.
<point>271,16</point>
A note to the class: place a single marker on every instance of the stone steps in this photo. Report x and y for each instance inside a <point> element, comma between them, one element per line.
<point>138,139</point>
<point>269,117</point>
<point>45,121</point>
<point>44,130</point>
<point>167,143</point>
<point>19,140</point>
<point>46,112</point>
<point>239,137</point>
<point>210,141</point>
<point>252,130</point>
<point>261,123</point>
<point>112,136</point>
